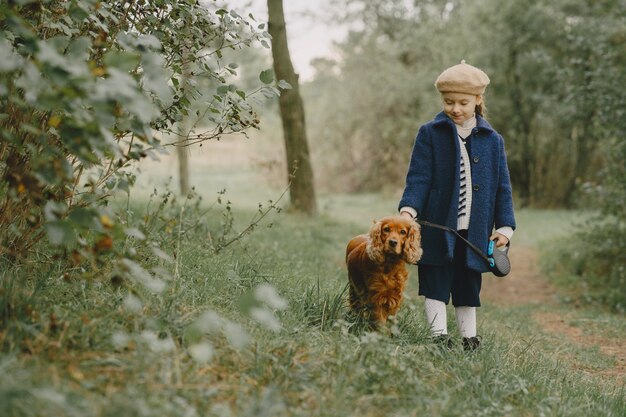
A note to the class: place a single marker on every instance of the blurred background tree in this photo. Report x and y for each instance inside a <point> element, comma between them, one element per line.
<point>549,62</point>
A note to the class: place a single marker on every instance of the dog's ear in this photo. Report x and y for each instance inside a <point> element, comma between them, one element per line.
<point>413,247</point>
<point>375,248</point>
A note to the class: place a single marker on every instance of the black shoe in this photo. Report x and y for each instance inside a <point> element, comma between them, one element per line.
<point>444,341</point>
<point>470,344</point>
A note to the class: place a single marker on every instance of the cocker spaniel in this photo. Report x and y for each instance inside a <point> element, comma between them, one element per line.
<point>376,269</point>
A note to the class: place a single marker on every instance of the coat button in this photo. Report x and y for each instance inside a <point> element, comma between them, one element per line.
<point>476,159</point>
<point>476,187</point>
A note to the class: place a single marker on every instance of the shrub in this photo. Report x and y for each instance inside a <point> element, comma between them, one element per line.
<point>86,87</point>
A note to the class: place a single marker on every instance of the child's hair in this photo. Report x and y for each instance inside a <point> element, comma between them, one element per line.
<point>481,109</point>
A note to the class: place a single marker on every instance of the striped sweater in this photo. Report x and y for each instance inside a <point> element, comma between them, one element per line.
<point>465,174</point>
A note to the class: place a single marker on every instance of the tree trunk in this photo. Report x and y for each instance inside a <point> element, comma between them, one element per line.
<point>299,169</point>
<point>183,162</point>
<point>181,150</point>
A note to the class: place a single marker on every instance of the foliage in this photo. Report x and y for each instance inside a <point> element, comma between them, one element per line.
<point>551,64</point>
<point>594,262</point>
<point>86,89</point>
<point>595,50</point>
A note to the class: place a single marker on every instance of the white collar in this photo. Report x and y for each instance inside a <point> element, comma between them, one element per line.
<point>469,123</point>
<point>465,128</point>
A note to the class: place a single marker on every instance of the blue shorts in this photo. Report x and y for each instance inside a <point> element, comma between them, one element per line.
<point>455,278</point>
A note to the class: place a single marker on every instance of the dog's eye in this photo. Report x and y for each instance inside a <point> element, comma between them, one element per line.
<point>403,232</point>
<point>386,229</point>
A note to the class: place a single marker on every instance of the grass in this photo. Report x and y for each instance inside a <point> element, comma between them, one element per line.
<point>208,344</point>
<point>83,348</point>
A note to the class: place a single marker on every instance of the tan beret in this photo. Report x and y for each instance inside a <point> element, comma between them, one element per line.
<point>462,78</point>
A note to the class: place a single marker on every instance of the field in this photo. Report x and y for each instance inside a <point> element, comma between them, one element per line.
<point>218,341</point>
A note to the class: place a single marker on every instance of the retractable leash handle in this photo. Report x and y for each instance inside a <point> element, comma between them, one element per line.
<point>498,260</point>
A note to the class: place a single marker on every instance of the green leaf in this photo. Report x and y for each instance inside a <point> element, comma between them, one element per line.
<point>84,217</point>
<point>48,54</point>
<point>78,48</point>
<point>123,185</point>
<point>161,254</point>
<point>137,273</point>
<point>9,60</point>
<point>267,76</point>
<point>270,92</point>
<point>156,76</point>
<point>284,85</point>
<point>122,60</point>
<point>60,233</point>
<point>31,82</point>
<point>222,89</point>
<point>136,233</point>
<point>53,210</point>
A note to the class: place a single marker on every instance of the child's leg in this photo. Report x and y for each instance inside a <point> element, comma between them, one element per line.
<point>435,283</point>
<point>465,290</point>
<point>436,316</point>
<point>466,320</point>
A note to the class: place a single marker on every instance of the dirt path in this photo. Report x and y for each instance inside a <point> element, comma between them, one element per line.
<point>525,285</point>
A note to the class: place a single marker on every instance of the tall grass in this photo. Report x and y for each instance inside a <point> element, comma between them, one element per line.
<point>104,348</point>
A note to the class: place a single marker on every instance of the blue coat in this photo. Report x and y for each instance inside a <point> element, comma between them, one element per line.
<point>432,188</point>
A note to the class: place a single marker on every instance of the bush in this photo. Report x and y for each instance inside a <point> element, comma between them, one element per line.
<point>596,257</point>
<point>86,87</point>
<point>593,265</point>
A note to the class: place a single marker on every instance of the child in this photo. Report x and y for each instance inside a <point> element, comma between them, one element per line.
<point>458,177</point>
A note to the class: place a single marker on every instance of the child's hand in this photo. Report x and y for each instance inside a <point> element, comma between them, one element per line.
<point>500,239</point>
<point>407,215</point>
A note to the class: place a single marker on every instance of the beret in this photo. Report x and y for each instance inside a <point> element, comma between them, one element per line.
<point>462,78</point>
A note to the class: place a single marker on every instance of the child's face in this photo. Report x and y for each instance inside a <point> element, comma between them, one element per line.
<point>459,106</point>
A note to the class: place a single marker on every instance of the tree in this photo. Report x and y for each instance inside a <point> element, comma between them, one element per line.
<point>364,110</point>
<point>299,165</point>
<point>546,59</point>
<point>183,132</point>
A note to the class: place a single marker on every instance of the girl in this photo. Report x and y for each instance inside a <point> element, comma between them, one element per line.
<point>458,177</point>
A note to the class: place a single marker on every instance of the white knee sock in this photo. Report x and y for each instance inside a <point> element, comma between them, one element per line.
<point>466,320</point>
<point>436,316</point>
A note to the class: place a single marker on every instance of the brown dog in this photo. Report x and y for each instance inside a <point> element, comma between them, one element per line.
<point>376,267</point>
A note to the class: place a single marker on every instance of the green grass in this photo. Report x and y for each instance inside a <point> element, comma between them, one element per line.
<point>71,347</point>
<point>542,228</point>
<point>86,348</point>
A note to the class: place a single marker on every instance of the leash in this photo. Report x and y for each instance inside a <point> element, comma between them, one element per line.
<point>498,260</point>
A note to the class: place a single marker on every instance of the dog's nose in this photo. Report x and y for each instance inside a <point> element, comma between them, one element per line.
<point>393,243</point>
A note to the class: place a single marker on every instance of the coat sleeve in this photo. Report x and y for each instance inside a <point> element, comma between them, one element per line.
<point>419,175</point>
<point>504,214</point>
